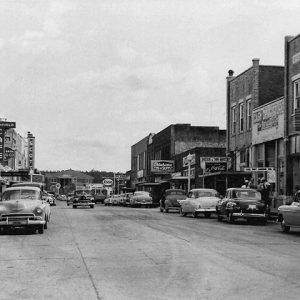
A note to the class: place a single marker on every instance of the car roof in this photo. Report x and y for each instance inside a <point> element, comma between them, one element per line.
<point>241,189</point>
<point>176,190</point>
<point>204,190</point>
<point>17,188</point>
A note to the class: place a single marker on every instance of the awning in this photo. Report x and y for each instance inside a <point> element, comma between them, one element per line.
<point>237,173</point>
<point>151,183</point>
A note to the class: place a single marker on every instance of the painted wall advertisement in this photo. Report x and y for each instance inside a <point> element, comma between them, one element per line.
<point>162,166</point>
<point>268,122</point>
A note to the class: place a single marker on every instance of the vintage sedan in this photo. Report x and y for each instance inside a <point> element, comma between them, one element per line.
<point>200,201</point>
<point>289,216</point>
<point>141,199</point>
<point>83,198</point>
<point>23,206</point>
<point>242,203</point>
<point>170,200</point>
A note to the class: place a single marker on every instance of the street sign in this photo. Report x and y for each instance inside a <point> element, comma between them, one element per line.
<point>7,125</point>
<point>58,185</point>
<point>107,182</point>
<point>14,173</point>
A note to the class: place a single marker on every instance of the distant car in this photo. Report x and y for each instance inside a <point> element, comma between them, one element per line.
<point>128,197</point>
<point>199,201</point>
<point>83,198</point>
<point>108,201</point>
<point>70,198</point>
<point>141,199</point>
<point>23,206</point>
<point>242,203</point>
<point>170,200</point>
<point>50,199</point>
<point>122,199</point>
<point>289,216</point>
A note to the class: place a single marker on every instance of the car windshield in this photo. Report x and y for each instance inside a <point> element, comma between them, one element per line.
<point>141,193</point>
<point>21,195</point>
<point>199,194</point>
<point>247,194</point>
<point>82,192</point>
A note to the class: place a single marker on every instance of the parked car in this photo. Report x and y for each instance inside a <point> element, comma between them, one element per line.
<point>83,198</point>
<point>242,203</point>
<point>200,201</point>
<point>141,199</point>
<point>23,206</point>
<point>289,216</point>
<point>170,200</point>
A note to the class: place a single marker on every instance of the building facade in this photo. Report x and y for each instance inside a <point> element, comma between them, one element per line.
<point>292,113</point>
<point>254,87</point>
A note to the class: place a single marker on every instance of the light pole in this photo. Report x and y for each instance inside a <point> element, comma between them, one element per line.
<point>189,159</point>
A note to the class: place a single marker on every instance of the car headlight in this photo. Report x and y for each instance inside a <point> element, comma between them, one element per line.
<point>39,211</point>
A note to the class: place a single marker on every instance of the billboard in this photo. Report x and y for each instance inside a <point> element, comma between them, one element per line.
<point>162,166</point>
<point>268,122</point>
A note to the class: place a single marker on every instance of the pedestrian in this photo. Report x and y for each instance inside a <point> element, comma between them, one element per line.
<point>251,184</point>
<point>245,185</point>
<point>264,188</point>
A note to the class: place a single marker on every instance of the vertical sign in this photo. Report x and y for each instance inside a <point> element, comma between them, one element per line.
<point>3,127</point>
<point>31,150</point>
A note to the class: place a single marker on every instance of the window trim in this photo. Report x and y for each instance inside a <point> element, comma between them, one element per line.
<point>241,117</point>
<point>249,115</point>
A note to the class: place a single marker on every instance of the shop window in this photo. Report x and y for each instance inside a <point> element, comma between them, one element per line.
<point>249,114</point>
<point>241,111</point>
<point>233,118</point>
<point>296,96</point>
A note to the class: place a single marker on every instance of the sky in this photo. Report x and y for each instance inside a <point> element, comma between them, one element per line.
<point>90,79</point>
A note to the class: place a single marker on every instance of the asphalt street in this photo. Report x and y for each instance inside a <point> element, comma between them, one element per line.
<point>137,253</point>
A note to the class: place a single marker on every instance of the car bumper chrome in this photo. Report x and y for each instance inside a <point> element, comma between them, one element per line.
<point>20,223</point>
<point>213,209</point>
<point>248,215</point>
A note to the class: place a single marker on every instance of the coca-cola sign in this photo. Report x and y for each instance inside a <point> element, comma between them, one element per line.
<point>162,166</point>
<point>215,167</point>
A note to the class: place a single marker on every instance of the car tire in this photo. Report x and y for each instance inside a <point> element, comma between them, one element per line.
<point>195,215</point>
<point>74,206</point>
<point>46,225</point>
<point>68,204</point>
<point>166,210</point>
<point>219,218</point>
<point>41,229</point>
<point>207,214</point>
<point>230,218</point>
<point>161,209</point>
<point>284,227</point>
<point>91,206</point>
<point>182,214</point>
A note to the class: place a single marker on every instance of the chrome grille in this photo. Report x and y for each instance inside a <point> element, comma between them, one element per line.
<point>17,217</point>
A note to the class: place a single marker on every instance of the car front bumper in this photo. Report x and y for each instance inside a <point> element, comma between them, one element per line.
<point>22,222</point>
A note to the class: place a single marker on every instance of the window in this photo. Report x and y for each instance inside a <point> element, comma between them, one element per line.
<point>260,151</point>
<point>249,115</point>
<point>296,102</point>
<point>241,117</point>
<point>233,118</point>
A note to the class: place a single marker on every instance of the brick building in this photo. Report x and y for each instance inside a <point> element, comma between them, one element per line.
<point>254,87</point>
<point>155,158</point>
<point>292,113</point>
